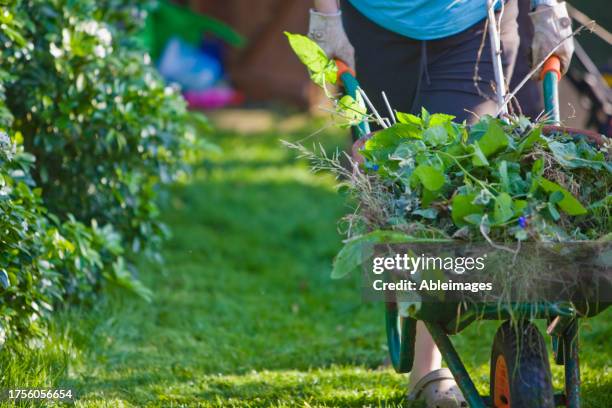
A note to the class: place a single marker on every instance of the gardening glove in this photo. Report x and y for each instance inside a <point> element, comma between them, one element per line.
<point>551,24</point>
<point>327,31</point>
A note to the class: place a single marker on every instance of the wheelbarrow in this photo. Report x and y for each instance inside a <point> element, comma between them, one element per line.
<point>513,370</point>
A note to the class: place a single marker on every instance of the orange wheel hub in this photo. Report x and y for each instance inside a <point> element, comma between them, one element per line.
<point>501,393</point>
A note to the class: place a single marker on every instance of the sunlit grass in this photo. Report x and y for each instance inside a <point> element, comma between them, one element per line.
<point>244,312</point>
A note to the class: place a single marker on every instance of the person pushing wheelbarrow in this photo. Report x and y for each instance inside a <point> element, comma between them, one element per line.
<point>432,54</point>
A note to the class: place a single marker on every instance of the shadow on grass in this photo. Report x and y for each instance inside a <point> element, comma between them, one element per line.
<point>245,287</point>
<point>245,313</point>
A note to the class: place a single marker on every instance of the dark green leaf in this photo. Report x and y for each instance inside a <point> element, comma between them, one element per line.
<point>429,213</point>
<point>518,206</point>
<point>553,211</point>
<point>479,158</point>
<point>569,155</point>
<point>530,140</point>
<point>569,204</point>
<point>556,197</point>
<point>462,206</point>
<point>503,208</point>
<point>432,178</point>
<point>435,136</point>
<point>537,168</point>
<point>358,250</point>
<point>474,219</point>
<point>494,140</point>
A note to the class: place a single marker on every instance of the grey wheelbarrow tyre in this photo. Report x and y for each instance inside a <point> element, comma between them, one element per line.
<point>520,370</point>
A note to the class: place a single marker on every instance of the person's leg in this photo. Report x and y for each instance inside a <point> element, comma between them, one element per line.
<point>389,62</point>
<point>385,61</point>
<point>427,357</point>
<point>454,84</point>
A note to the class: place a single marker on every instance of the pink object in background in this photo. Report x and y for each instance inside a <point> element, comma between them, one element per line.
<point>213,98</point>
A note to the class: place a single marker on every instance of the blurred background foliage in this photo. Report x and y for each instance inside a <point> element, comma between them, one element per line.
<point>89,132</point>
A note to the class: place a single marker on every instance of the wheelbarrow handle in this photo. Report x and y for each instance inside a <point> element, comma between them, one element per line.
<point>550,76</point>
<point>346,77</point>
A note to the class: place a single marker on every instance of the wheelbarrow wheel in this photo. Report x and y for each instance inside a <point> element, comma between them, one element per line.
<point>520,371</point>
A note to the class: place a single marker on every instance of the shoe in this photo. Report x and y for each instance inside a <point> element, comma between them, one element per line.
<point>439,390</point>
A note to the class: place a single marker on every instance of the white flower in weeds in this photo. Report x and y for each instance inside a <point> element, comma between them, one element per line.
<point>55,50</point>
<point>95,29</point>
<point>66,38</point>
<point>5,141</point>
<point>100,51</point>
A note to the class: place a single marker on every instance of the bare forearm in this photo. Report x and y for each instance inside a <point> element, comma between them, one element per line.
<point>326,6</point>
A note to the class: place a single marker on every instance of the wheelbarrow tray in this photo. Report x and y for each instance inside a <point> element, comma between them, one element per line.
<point>456,316</point>
<point>444,319</point>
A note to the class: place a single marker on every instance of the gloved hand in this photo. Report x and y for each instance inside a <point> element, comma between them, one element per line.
<point>551,24</point>
<point>327,31</point>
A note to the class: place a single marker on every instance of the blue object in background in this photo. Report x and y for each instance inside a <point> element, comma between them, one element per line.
<point>214,48</point>
<point>189,66</point>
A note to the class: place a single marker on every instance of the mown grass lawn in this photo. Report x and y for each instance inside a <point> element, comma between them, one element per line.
<point>244,312</point>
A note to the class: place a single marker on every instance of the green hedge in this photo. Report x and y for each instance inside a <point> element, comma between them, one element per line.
<point>27,243</point>
<point>92,132</point>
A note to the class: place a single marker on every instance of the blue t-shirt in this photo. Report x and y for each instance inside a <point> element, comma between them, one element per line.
<point>424,19</point>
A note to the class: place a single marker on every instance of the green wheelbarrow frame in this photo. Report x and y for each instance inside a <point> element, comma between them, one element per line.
<point>443,320</point>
